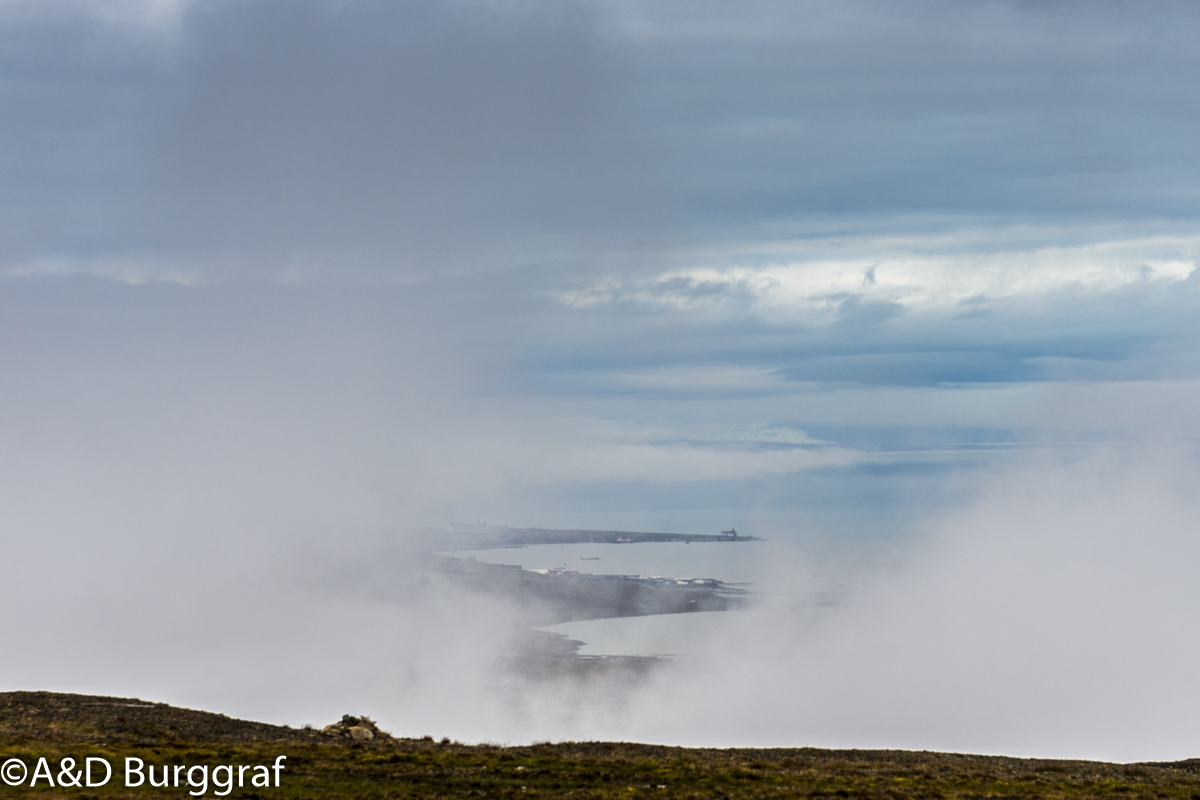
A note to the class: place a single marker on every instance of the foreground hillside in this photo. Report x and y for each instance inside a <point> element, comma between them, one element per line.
<point>353,759</point>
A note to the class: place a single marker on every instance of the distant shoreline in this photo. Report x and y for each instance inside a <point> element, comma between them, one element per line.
<point>483,537</point>
<point>553,597</point>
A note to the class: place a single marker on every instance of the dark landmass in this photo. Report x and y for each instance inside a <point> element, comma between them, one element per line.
<point>541,657</point>
<point>331,764</point>
<point>563,596</point>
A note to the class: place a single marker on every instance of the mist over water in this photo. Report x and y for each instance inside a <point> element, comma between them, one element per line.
<point>1050,616</point>
<point>911,295</point>
<point>176,536</point>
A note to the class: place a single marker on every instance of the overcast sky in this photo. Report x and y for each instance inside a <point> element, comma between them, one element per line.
<point>273,273</point>
<point>860,194</point>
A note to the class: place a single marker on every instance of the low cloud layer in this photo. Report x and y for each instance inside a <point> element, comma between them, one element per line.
<point>1047,617</point>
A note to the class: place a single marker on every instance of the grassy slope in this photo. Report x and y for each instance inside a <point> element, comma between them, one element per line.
<point>324,766</point>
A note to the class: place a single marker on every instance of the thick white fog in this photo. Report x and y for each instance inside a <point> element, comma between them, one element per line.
<point>909,292</point>
<point>199,513</point>
<point>1049,616</point>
